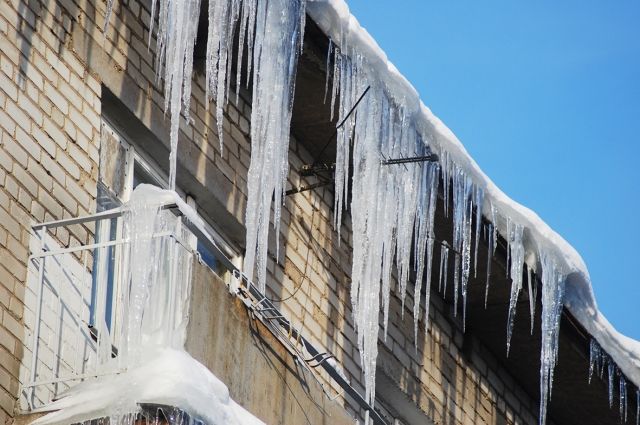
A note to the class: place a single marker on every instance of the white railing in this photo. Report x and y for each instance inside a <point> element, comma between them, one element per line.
<point>77,293</point>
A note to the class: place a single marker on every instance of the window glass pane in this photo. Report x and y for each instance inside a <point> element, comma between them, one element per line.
<point>104,258</point>
<point>214,264</point>
<point>140,176</point>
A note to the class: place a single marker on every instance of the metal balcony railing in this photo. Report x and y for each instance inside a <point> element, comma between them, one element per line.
<point>78,295</point>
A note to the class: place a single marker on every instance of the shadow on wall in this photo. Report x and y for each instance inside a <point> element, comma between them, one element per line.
<point>311,281</point>
<point>439,378</point>
<point>42,35</point>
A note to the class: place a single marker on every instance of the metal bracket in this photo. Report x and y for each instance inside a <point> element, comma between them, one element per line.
<point>307,188</point>
<point>312,169</point>
<point>424,158</point>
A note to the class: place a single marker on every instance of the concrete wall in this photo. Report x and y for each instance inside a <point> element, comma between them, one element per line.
<point>260,373</point>
<point>57,68</point>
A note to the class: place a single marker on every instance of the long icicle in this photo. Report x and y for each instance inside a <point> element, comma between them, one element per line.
<point>276,50</point>
<point>553,285</point>
<point>177,30</point>
<point>479,202</point>
<point>515,232</point>
<point>493,240</point>
<point>533,292</point>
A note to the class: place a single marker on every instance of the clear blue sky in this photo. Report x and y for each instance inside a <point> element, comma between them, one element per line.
<point>545,95</point>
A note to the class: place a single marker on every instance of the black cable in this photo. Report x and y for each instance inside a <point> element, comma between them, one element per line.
<point>353,108</point>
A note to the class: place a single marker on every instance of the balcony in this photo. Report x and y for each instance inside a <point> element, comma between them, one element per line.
<point>79,292</point>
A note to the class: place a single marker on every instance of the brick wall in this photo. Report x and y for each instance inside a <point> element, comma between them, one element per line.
<point>49,120</point>
<point>55,62</point>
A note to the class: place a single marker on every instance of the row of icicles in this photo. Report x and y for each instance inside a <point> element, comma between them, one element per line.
<point>599,362</point>
<point>392,206</point>
<point>393,210</point>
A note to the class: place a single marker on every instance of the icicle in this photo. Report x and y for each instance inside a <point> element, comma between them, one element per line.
<point>444,261</point>
<point>407,203</point>
<point>553,284</point>
<point>637,406</point>
<point>389,236</point>
<point>152,19</point>
<point>456,281</point>
<point>493,239</point>
<point>479,201</point>
<point>223,16</point>
<point>489,258</point>
<point>612,371</point>
<point>177,30</point>
<point>462,213</point>
<point>461,228</point>
<point>623,397</point>
<point>326,82</point>
<point>277,39</point>
<point>445,163</point>
<point>344,77</point>
<point>367,208</point>
<point>247,19</point>
<point>421,240</point>
<point>441,269</point>
<point>507,268</point>
<point>340,68</point>
<point>107,15</point>
<point>595,358</point>
<point>426,212</point>
<point>515,232</point>
<point>533,293</point>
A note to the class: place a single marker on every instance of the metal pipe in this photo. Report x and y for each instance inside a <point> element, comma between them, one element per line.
<point>36,331</point>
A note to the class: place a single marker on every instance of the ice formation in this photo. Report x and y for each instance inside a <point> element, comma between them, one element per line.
<point>491,250</point>
<point>595,359</point>
<point>151,366</point>
<point>389,202</point>
<point>515,233</point>
<point>278,39</point>
<point>462,210</point>
<point>177,31</point>
<point>533,295</point>
<point>176,36</point>
<point>336,21</point>
<point>553,287</point>
<point>272,32</point>
<point>444,267</point>
<point>599,360</point>
<point>107,15</point>
<point>384,202</point>
<point>223,18</point>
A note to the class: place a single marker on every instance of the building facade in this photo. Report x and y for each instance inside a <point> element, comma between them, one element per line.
<point>82,123</point>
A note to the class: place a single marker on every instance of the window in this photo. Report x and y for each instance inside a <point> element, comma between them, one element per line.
<point>123,167</point>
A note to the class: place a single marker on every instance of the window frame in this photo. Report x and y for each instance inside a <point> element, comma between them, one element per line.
<point>136,160</point>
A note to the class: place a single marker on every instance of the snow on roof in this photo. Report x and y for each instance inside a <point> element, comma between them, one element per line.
<point>337,22</point>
